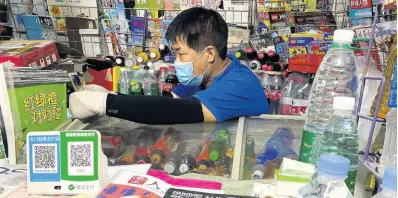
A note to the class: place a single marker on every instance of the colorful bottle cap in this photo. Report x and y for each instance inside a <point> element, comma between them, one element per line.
<point>162,47</point>
<point>169,167</point>
<point>260,56</point>
<point>153,55</point>
<point>129,62</point>
<point>202,167</point>
<point>136,67</point>
<point>390,178</point>
<point>214,155</point>
<point>238,54</point>
<point>140,59</point>
<point>183,168</point>
<point>156,159</point>
<point>258,175</point>
<point>333,166</point>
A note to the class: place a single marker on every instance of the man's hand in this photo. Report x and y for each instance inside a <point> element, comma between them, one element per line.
<point>84,104</point>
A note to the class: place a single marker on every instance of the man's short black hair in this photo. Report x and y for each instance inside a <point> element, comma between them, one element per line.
<point>199,28</point>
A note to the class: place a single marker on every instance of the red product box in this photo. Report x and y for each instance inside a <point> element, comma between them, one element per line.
<point>25,53</point>
<point>103,78</point>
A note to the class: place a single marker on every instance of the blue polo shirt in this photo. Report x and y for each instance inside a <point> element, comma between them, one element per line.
<point>233,93</point>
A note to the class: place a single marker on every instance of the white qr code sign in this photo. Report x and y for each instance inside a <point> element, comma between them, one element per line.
<point>81,158</point>
<point>45,158</point>
<point>65,162</point>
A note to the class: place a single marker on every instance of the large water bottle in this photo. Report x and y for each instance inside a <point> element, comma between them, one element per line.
<point>336,76</point>
<point>389,184</point>
<point>329,180</point>
<point>341,136</point>
<point>389,156</point>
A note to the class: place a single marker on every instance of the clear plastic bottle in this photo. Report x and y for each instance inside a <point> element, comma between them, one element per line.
<point>329,180</point>
<point>389,185</point>
<point>124,81</point>
<point>389,155</point>
<point>341,136</point>
<point>336,76</point>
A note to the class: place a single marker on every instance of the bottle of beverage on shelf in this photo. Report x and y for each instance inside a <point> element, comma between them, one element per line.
<point>150,84</point>
<point>144,142</point>
<point>273,56</point>
<point>388,73</point>
<point>120,61</point>
<point>389,155</point>
<point>275,97</point>
<point>258,167</point>
<point>250,158</point>
<point>164,50</point>
<point>275,67</point>
<point>272,163</point>
<point>219,144</point>
<point>203,160</point>
<point>142,58</point>
<point>161,150</point>
<point>341,136</point>
<point>240,54</point>
<point>124,81</point>
<point>336,76</point>
<point>389,184</point>
<point>263,58</point>
<point>135,87</point>
<point>187,162</point>
<point>223,166</point>
<point>173,162</point>
<point>171,81</point>
<point>154,55</point>
<point>329,179</point>
<point>251,54</point>
<point>261,162</point>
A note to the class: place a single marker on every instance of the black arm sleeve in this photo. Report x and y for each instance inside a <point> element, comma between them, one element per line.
<point>155,109</point>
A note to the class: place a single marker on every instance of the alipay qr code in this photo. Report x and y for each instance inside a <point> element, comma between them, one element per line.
<point>45,158</point>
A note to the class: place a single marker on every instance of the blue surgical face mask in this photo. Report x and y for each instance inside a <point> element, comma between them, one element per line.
<point>184,72</point>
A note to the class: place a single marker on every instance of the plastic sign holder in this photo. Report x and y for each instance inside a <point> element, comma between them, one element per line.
<point>65,162</point>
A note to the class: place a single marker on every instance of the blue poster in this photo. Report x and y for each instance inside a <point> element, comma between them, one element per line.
<point>39,27</point>
<point>361,16</point>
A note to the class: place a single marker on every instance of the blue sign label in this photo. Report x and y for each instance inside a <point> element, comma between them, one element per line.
<point>44,158</point>
<point>392,102</point>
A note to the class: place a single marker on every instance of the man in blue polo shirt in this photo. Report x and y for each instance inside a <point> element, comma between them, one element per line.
<point>213,87</point>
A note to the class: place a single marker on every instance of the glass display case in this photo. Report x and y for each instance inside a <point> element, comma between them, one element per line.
<point>228,149</point>
<point>205,148</point>
<point>267,139</point>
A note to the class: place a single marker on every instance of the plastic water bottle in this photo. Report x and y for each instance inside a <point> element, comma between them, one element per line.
<point>329,180</point>
<point>341,136</point>
<point>389,184</point>
<point>336,76</point>
<point>260,164</point>
<point>389,156</point>
<point>124,82</point>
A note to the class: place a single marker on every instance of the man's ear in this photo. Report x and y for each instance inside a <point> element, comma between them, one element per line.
<point>212,54</point>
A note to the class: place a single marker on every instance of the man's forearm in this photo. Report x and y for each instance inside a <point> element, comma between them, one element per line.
<point>154,109</point>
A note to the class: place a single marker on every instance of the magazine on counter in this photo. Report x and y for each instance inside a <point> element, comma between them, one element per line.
<point>154,184</point>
